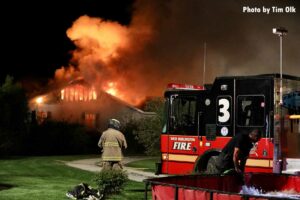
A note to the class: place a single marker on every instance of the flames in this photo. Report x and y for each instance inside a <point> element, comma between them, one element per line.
<point>78,93</point>
<point>159,45</point>
<point>111,89</point>
<point>39,100</point>
<point>100,58</point>
<point>96,37</point>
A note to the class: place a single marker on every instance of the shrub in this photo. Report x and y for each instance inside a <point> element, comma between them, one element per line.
<point>13,117</point>
<point>111,181</point>
<point>134,146</point>
<point>149,128</point>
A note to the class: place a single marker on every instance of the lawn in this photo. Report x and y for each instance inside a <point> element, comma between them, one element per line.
<point>48,178</point>
<point>146,165</point>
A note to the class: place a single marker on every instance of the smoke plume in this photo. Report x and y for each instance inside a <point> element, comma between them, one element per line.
<point>164,43</point>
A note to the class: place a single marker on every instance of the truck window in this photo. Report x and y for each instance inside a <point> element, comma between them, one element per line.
<point>183,118</point>
<point>251,110</point>
<point>165,116</point>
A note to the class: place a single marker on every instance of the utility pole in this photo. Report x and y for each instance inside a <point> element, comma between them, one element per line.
<point>204,64</point>
<point>280,32</point>
<point>277,156</point>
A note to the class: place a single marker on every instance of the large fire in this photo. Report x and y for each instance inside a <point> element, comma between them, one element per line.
<point>162,43</point>
<point>98,59</point>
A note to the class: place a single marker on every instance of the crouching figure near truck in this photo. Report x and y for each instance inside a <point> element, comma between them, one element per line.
<point>234,155</point>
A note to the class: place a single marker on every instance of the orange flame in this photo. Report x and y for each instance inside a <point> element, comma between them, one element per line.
<point>99,58</point>
<point>78,93</point>
<point>39,100</point>
<point>111,89</point>
<point>101,38</point>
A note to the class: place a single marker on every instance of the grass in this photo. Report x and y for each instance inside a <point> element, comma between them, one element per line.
<point>48,178</point>
<point>146,165</point>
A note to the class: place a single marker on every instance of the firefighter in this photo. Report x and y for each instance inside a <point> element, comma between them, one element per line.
<point>234,155</point>
<point>112,141</point>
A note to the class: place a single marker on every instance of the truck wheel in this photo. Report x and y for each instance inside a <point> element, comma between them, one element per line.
<point>211,165</point>
<point>206,163</point>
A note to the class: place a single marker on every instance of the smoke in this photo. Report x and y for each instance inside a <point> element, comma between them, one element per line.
<point>237,43</point>
<point>164,43</point>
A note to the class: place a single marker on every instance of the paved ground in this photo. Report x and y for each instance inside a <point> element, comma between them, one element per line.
<point>93,166</point>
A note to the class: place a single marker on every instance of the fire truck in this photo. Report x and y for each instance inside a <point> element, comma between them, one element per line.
<point>200,120</point>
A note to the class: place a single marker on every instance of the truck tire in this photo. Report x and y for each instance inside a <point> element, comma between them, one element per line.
<point>206,163</point>
<point>211,165</point>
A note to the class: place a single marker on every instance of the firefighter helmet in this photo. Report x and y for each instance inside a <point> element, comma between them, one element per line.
<point>115,124</point>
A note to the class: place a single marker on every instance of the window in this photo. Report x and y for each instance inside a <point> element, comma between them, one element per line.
<point>251,110</point>
<point>295,126</point>
<point>183,118</point>
<point>90,120</point>
<point>165,116</point>
<point>41,116</point>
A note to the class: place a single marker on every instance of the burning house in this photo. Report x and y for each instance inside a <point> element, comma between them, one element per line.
<point>80,102</point>
<point>99,78</point>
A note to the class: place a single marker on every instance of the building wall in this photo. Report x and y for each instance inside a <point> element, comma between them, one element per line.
<point>93,113</point>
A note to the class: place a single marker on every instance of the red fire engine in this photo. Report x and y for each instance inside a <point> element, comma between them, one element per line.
<point>201,120</point>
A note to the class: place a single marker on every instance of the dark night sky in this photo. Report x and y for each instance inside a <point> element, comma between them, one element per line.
<point>34,41</point>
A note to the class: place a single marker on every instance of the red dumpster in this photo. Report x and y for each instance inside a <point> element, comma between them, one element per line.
<point>215,187</point>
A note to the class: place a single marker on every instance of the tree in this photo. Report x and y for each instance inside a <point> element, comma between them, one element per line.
<point>13,118</point>
<point>149,128</point>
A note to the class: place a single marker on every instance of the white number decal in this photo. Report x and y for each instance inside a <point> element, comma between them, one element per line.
<point>224,106</point>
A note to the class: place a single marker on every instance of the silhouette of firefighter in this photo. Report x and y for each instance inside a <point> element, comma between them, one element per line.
<point>112,141</point>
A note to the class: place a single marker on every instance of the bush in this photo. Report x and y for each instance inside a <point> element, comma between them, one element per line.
<point>111,181</point>
<point>13,117</point>
<point>134,146</point>
<point>149,128</point>
<point>148,134</point>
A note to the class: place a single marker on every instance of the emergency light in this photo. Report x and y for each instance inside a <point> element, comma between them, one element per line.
<point>178,86</point>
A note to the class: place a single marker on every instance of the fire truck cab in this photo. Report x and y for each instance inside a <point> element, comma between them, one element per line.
<point>201,120</point>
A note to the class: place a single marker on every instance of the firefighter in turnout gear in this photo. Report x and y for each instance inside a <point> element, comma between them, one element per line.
<point>112,141</point>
